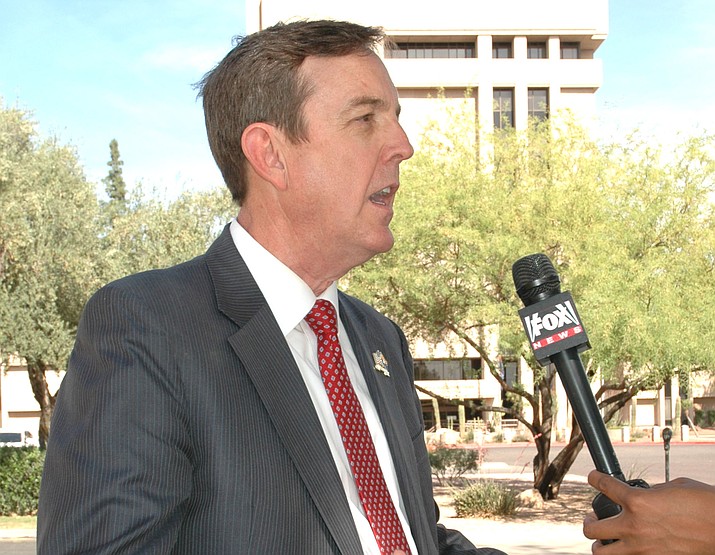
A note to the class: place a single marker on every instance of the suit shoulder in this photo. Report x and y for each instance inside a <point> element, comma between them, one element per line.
<point>368,312</point>
<point>148,286</point>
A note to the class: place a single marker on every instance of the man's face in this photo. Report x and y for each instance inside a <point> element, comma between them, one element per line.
<point>342,180</point>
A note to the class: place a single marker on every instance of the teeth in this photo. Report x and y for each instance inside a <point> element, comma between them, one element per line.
<point>385,191</point>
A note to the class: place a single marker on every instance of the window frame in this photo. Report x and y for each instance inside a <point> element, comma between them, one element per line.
<point>532,111</point>
<point>497,108</point>
<point>506,47</point>
<point>537,46</point>
<point>425,50</point>
<point>570,47</point>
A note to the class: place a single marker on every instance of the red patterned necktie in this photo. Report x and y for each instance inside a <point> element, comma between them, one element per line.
<point>364,464</point>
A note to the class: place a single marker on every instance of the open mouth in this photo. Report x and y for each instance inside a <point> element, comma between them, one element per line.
<point>381,196</point>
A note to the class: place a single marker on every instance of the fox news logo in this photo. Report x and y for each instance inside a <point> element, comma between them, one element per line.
<point>553,325</point>
<point>562,316</point>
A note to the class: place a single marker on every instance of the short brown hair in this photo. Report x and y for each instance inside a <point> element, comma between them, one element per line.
<point>258,81</point>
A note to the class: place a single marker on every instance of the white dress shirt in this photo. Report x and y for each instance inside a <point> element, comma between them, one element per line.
<point>290,299</point>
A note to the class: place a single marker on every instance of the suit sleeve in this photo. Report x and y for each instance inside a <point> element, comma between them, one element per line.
<point>118,467</point>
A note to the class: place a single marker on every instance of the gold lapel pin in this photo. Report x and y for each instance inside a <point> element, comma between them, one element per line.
<point>380,363</point>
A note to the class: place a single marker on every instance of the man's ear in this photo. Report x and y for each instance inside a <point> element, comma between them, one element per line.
<point>262,146</point>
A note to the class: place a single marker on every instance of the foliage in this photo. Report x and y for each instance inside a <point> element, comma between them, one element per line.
<point>47,242</point>
<point>20,475</point>
<point>631,232</point>
<point>59,244</point>
<point>485,498</point>
<point>705,418</point>
<point>450,464</point>
<point>114,183</point>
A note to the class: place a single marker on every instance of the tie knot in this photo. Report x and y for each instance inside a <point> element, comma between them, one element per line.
<point>321,318</point>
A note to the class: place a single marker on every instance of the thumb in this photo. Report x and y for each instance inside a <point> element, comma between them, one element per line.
<point>611,487</point>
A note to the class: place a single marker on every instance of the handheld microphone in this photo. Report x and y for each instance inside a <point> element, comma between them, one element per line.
<point>557,336</point>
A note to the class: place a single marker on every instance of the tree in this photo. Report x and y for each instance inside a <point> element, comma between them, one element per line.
<point>47,243</point>
<point>626,231</point>
<point>59,244</point>
<point>114,182</point>
<point>156,234</point>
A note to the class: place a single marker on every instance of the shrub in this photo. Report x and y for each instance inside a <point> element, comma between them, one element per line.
<point>20,474</point>
<point>450,464</point>
<point>711,417</point>
<point>485,498</point>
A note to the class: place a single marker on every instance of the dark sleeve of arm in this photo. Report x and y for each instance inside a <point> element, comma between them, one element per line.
<point>117,468</point>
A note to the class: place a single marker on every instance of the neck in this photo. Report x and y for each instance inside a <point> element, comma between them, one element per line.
<point>282,242</point>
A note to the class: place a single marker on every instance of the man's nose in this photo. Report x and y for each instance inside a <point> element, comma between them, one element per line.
<point>403,148</point>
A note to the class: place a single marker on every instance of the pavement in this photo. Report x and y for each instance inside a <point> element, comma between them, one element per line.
<point>514,538</point>
<point>523,538</point>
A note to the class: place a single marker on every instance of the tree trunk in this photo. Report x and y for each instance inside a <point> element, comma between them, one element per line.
<point>543,423</point>
<point>45,399</point>
<point>554,474</point>
<point>435,410</point>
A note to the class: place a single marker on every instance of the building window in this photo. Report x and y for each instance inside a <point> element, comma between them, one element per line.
<point>539,104</point>
<point>503,108</point>
<point>501,50</point>
<point>432,50</point>
<point>569,51</point>
<point>536,50</point>
<point>448,369</point>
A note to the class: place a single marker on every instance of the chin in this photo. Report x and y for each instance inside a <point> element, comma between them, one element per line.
<point>385,244</point>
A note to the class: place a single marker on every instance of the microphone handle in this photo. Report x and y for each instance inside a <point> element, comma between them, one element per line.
<point>578,390</point>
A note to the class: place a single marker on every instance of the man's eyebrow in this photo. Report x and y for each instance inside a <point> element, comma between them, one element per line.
<point>369,101</point>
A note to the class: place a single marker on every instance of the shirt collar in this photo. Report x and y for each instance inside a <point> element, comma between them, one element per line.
<point>287,295</point>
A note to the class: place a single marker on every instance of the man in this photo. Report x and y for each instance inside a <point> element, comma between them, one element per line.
<point>200,412</point>
<point>673,518</point>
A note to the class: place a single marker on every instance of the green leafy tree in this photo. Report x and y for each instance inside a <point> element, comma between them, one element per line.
<point>114,183</point>
<point>59,244</point>
<point>48,240</point>
<point>156,234</point>
<point>628,234</point>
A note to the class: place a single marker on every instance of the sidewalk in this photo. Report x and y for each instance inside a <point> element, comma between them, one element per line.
<point>523,538</point>
<point>514,538</point>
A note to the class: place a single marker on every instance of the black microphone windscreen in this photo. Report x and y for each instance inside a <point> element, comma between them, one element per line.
<point>535,278</point>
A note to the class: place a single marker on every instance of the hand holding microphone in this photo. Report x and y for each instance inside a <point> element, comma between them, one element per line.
<point>557,336</point>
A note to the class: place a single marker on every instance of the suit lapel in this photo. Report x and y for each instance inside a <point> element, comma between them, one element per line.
<point>267,359</point>
<point>365,341</point>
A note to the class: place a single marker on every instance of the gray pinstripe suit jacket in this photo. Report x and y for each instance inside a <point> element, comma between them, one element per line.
<point>183,425</point>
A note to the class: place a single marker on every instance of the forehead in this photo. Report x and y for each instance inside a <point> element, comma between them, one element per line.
<point>340,82</point>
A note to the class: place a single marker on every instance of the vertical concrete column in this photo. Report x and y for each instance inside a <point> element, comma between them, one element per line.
<point>462,419</point>
<point>660,408</point>
<point>553,47</point>
<point>485,96</point>
<point>521,89</point>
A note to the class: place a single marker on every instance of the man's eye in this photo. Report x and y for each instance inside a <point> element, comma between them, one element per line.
<point>366,117</point>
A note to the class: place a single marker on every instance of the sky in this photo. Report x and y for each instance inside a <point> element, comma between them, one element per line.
<point>90,71</point>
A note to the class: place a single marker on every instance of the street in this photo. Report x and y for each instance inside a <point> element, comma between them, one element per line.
<point>637,460</point>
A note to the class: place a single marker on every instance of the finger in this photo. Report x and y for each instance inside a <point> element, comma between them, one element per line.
<point>611,487</point>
